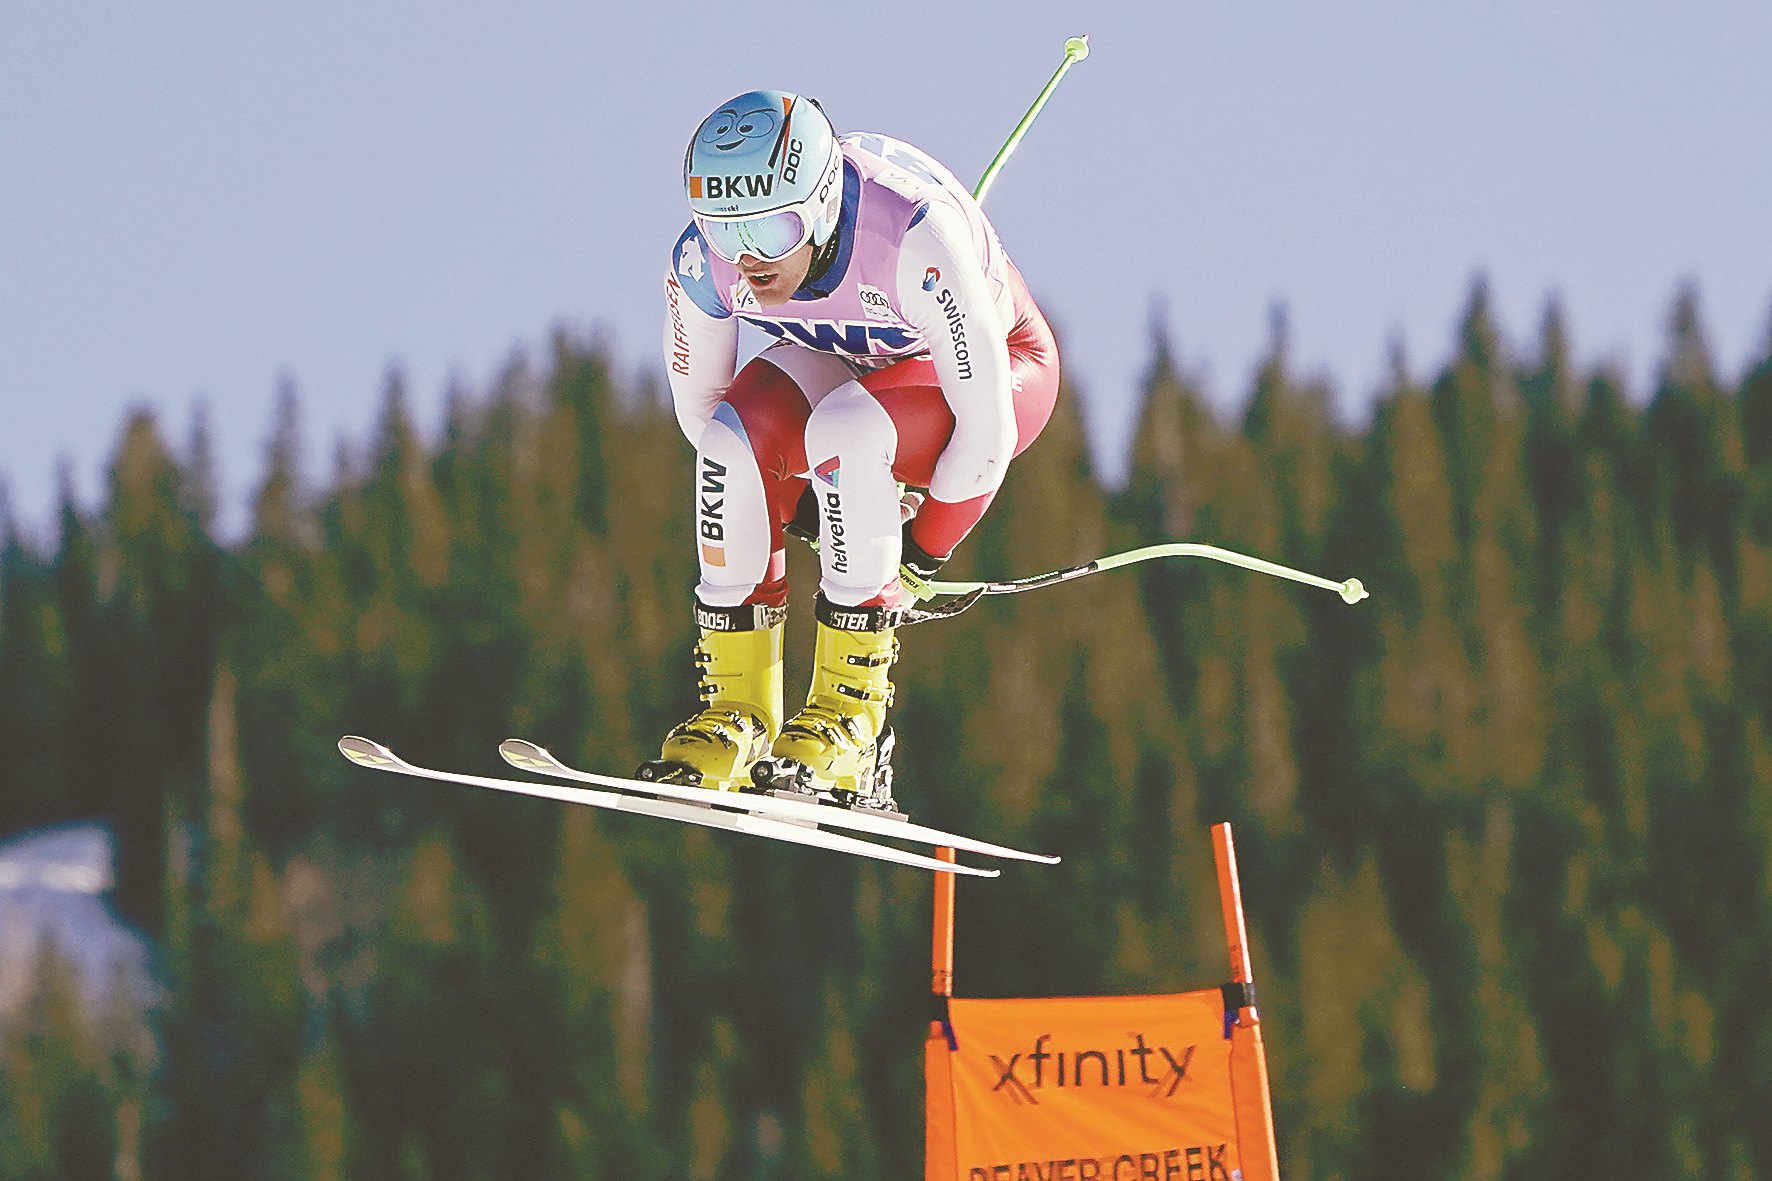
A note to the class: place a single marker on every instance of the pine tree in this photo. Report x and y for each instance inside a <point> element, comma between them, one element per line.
<point>597,948</point>
<point>1417,700</point>
<point>1695,472</point>
<point>56,1114</point>
<point>233,1032</point>
<point>1754,625</point>
<point>36,685</point>
<point>711,1134</point>
<point>433,1079</point>
<point>1361,1052</point>
<point>1483,418</point>
<point>1554,401</point>
<point>287,644</point>
<point>145,645</point>
<point>839,1139</point>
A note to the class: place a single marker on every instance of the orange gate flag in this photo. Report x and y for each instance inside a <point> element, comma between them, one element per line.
<point>1089,1089</point>
<point>1140,1088</point>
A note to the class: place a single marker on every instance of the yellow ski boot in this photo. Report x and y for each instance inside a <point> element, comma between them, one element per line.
<point>739,658</point>
<point>840,745</point>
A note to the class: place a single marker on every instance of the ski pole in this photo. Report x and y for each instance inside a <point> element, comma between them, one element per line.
<point>965,594</point>
<point>1350,591</point>
<point>1075,50</point>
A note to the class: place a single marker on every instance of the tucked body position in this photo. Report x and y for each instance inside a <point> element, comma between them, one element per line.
<point>909,366</point>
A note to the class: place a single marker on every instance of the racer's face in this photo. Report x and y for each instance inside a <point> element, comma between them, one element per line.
<point>774,283</point>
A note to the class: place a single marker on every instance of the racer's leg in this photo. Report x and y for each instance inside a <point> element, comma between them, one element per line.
<point>749,474</point>
<point>885,429</point>
<point>910,393</point>
<point>862,440</point>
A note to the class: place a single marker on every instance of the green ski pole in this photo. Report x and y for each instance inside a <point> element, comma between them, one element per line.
<point>1075,50</point>
<point>965,594</point>
<point>1351,591</point>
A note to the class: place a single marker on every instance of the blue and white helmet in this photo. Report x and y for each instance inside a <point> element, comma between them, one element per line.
<point>764,176</point>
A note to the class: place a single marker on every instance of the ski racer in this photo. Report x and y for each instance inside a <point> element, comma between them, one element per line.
<point>906,353</point>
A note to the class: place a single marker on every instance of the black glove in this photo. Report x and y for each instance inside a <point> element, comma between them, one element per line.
<point>917,567</point>
<point>805,522</point>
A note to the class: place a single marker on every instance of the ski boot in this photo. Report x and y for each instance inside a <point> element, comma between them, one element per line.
<point>839,748</point>
<point>739,658</point>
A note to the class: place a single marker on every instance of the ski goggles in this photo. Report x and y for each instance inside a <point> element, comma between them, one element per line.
<point>768,237</point>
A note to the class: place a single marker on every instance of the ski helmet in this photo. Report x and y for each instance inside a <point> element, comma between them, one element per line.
<point>764,176</point>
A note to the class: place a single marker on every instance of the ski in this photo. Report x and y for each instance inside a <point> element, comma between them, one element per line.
<point>377,757</point>
<point>527,756</point>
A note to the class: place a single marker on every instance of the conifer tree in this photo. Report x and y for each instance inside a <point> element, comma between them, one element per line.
<point>1695,471</point>
<point>1484,419</point>
<point>1305,457</point>
<point>1176,455</point>
<point>1361,1050</point>
<point>597,947</point>
<point>1418,698</point>
<point>74,583</point>
<point>287,642</point>
<point>1291,424</point>
<point>394,547</point>
<point>1554,399</point>
<point>233,1031</point>
<point>149,650</point>
<point>36,684</point>
<point>56,1114</point>
<point>712,1097</point>
<point>839,1138</point>
<point>1754,625</point>
<point>431,1076</point>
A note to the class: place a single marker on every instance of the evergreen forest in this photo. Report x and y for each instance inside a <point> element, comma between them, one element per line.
<point>1505,827</point>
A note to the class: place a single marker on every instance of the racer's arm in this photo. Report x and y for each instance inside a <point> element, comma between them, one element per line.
<point>700,337</point>
<point>968,342</point>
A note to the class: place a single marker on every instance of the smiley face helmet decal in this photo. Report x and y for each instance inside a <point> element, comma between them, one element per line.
<point>764,176</point>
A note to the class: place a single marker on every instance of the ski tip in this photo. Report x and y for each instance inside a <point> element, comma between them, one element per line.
<point>365,753</point>
<point>527,756</point>
<point>1008,854</point>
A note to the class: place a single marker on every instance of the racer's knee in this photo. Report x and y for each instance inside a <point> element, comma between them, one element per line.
<point>850,424</point>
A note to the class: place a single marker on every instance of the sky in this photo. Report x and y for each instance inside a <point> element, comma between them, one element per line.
<point>200,200</point>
